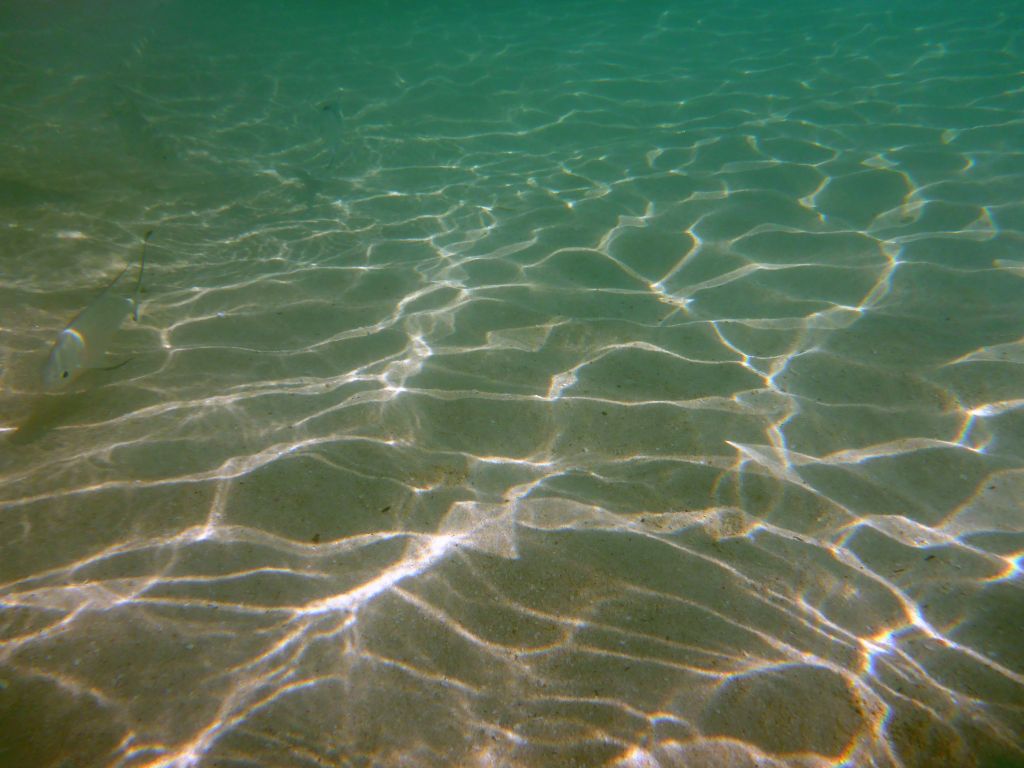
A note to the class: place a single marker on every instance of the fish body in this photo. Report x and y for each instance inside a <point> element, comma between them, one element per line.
<point>84,342</point>
<point>331,129</point>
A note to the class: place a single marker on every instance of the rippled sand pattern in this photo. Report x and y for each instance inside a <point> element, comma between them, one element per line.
<point>519,385</point>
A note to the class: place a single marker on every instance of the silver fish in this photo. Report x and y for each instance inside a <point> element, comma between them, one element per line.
<point>83,343</point>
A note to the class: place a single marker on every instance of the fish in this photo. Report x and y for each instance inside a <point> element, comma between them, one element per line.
<point>331,126</point>
<point>139,133</point>
<point>83,343</point>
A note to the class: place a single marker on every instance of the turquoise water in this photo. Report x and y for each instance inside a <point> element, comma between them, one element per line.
<point>515,384</point>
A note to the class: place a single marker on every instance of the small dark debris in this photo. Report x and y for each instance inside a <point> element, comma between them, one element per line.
<point>316,538</point>
<point>930,557</point>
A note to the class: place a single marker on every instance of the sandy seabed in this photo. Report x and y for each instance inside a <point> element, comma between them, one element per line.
<point>515,385</point>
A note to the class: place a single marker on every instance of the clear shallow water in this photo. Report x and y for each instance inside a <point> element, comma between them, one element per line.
<point>519,385</point>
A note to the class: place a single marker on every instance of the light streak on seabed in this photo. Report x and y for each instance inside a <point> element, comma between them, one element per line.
<point>251,695</point>
<point>268,677</point>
